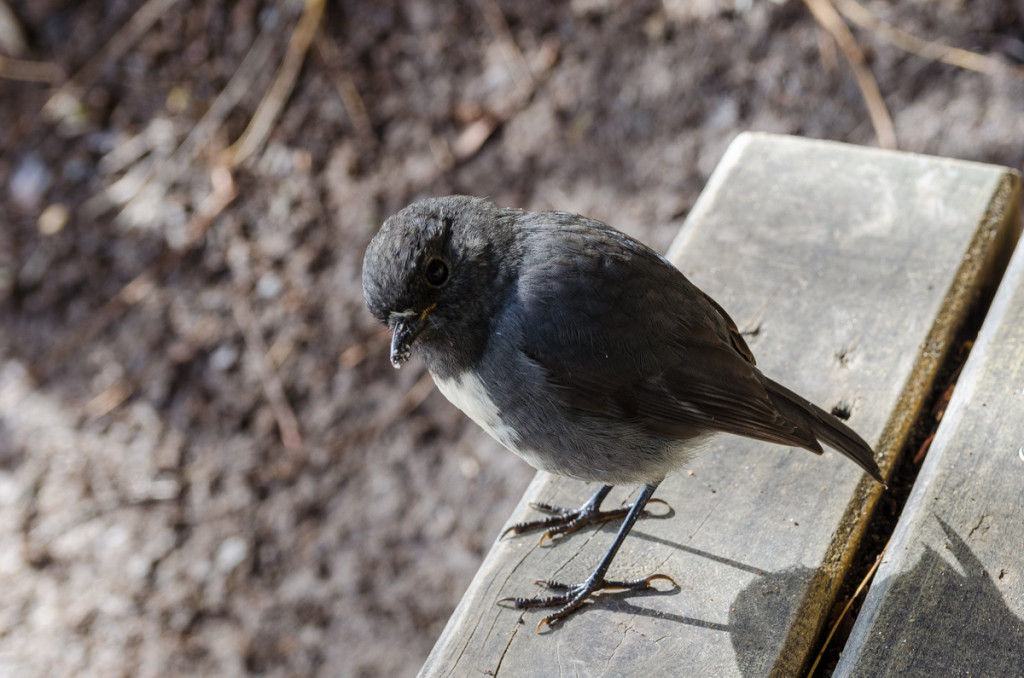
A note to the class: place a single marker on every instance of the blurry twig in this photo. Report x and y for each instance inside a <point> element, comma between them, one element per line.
<point>517,65</point>
<point>934,51</point>
<point>12,35</point>
<point>30,71</point>
<point>527,77</point>
<point>383,420</point>
<point>65,99</point>
<point>13,42</point>
<point>827,16</point>
<point>263,120</point>
<point>329,53</point>
<point>827,49</point>
<point>140,286</point>
<point>355,354</point>
<point>415,395</point>
<point>473,137</point>
<point>224,192</point>
<point>168,171</point>
<point>108,399</point>
<point>478,132</point>
<point>287,424</point>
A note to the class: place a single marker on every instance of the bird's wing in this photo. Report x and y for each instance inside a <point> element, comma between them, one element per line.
<point>620,333</point>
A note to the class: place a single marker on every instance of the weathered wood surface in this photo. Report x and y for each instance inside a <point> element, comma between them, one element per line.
<point>850,269</point>
<point>948,599</point>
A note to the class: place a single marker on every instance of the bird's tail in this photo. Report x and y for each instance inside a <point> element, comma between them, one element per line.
<point>826,428</point>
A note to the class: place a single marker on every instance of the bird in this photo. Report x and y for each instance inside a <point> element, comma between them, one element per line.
<point>581,350</point>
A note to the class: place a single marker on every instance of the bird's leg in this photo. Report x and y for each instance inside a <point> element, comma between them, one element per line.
<point>573,596</point>
<point>566,521</point>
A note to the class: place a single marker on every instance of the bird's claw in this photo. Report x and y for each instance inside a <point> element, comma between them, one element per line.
<point>573,596</point>
<point>561,521</point>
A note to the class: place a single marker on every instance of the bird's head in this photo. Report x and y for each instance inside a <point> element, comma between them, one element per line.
<point>430,274</point>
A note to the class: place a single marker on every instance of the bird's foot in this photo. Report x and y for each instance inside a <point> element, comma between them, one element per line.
<point>572,596</point>
<point>566,521</point>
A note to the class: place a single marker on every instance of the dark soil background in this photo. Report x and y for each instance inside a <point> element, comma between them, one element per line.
<point>207,464</point>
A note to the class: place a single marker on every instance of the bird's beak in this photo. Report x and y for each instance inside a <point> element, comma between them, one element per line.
<point>406,326</point>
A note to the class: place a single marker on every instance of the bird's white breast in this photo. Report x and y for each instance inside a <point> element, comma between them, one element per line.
<point>469,394</point>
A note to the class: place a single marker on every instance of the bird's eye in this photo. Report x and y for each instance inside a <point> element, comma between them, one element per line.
<point>437,272</point>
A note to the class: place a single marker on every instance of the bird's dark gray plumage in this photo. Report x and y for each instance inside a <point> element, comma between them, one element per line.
<point>578,348</point>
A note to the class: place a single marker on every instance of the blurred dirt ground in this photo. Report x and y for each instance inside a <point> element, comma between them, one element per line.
<point>207,465</point>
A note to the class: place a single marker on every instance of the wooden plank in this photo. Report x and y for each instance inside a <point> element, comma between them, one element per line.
<point>948,599</point>
<point>852,269</point>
